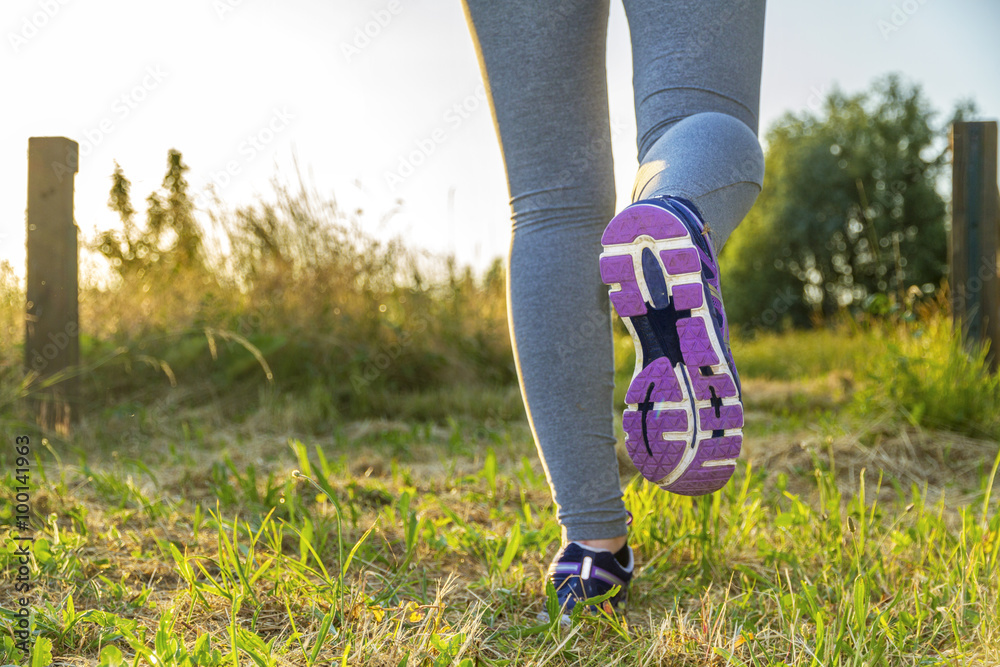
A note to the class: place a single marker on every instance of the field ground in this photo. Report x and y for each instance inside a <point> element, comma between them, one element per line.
<point>172,535</point>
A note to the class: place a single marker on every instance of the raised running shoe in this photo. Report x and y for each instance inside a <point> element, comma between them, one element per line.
<point>684,414</point>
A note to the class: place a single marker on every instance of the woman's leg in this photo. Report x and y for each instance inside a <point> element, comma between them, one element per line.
<point>696,81</point>
<point>696,74</point>
<point>544,67</point>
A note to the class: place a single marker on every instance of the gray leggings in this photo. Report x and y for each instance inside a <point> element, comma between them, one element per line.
<point>697,88</point>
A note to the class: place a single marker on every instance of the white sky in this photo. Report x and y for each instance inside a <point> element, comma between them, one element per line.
<point>204,76</point>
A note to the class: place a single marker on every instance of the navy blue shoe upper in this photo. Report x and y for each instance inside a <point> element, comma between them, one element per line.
<point>578,573</point>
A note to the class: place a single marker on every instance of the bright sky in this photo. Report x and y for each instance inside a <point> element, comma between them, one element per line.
<point>242,86</point>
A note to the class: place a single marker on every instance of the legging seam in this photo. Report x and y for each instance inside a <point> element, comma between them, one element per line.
<point>704,90</point>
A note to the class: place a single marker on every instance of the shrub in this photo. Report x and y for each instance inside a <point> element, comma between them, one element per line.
<point>295,292</point>
<point>924,372</point>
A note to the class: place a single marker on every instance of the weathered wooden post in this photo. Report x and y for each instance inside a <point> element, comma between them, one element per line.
<point>51,343</point>
<point>975,233</point>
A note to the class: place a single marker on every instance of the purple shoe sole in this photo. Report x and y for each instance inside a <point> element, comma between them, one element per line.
<point>684,417</point>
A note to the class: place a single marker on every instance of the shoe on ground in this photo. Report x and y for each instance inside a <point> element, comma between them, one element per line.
<point>580,573</point>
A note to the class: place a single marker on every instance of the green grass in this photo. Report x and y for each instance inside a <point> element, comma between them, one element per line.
<point>414,543</point>
<point>236,493</point>
<point>795,355</point>
<point>924,374</point>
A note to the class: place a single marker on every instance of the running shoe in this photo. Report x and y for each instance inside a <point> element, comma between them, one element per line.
<point>579,573</point>
<point>684,412</point>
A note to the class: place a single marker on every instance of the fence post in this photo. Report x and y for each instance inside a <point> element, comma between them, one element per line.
<point>975,233</point>
<point>51,342</point>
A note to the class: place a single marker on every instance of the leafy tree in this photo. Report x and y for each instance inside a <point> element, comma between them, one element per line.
<point>850,209</point>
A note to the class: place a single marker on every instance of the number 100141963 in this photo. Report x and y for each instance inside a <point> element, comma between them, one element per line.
<point>22,477</point>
